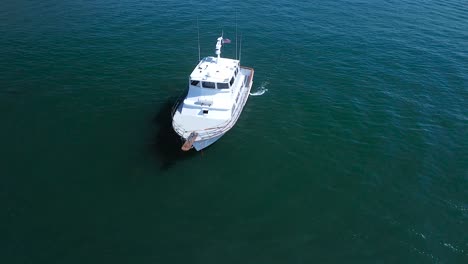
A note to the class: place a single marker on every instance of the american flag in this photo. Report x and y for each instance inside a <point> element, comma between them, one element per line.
<point>226,41</point>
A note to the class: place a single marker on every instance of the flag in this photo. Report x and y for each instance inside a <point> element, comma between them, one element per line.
<point>226,41</point>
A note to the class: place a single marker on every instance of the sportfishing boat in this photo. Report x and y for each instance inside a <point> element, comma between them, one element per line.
<point>218,89</point>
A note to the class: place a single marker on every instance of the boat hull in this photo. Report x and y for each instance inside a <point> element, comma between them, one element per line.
<point>201,144</point>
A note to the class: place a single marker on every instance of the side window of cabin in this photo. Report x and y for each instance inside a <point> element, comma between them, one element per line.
<point>195,83</point>
<point>209,85</point>
<point>237,70</point>
<point>232,81</point>
<point>223,85</point>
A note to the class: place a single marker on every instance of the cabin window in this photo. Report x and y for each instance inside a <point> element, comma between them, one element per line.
<point>195,83</point>
<point>211,85</point>
<point>222,85</point>
<point>235,73</point>
<point>232,81</point>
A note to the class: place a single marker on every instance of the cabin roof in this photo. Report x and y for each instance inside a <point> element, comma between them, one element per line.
<point>213,69</point>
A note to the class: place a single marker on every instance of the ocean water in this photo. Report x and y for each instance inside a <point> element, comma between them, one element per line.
<point>356,152</point>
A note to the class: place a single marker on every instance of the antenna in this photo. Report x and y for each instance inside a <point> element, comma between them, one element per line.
<point>236,34</point>
<point>198,31</point>
<point>240,46</point>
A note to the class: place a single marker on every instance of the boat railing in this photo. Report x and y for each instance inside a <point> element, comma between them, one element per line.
<point>247,81</point>
<point>205,133</point>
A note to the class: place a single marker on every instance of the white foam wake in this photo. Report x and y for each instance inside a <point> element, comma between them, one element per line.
<point>261,90</point>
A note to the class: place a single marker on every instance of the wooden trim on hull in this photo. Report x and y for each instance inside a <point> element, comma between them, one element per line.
<point>189,142</point>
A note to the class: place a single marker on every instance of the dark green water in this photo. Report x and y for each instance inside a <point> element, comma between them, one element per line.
<point>357,153</point>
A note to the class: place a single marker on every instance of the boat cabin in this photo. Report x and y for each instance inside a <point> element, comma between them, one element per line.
<point>215,73</point>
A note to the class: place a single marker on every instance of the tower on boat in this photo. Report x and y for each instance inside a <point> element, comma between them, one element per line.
<point>218,89</point>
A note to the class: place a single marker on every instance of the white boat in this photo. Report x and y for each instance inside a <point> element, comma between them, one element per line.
<point>218,89</point>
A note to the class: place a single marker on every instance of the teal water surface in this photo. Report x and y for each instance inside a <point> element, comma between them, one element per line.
<point>357,153</point>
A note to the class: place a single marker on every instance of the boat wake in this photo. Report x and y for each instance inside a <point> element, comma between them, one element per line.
<point>261,90</point>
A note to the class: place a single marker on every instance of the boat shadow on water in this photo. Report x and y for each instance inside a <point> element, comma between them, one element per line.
<point>166,144</point>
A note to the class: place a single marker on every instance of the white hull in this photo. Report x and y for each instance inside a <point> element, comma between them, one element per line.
<point>201,144</point>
